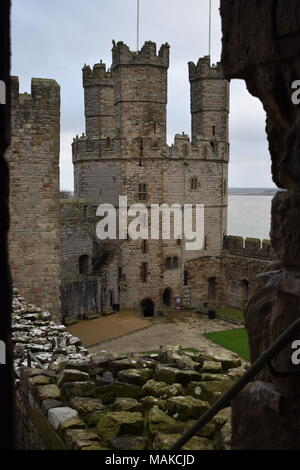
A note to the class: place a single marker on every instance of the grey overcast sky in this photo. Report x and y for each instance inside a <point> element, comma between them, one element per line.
<point>54,38</point>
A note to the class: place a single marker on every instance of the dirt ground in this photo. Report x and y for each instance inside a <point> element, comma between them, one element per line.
<point>127,331</point>
<point>101,329</point>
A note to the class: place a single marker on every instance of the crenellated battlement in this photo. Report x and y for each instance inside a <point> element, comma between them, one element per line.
<point>86,148</point>
<point>99,75</point>
<point>200,148</point>
<point>146,56</point>
<point>45,95</point>
<point>249,247</point>
<point>203,69</point>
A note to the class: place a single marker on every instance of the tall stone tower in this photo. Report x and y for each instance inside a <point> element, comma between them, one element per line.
<point>124,153</point>
<point>98,101</point>
<point>209,101</point>
<point>33,159</point>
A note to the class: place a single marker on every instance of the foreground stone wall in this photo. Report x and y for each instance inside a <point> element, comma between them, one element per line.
<point>33,159</point>
<point>267,58</point>
<point>6,372</point>
<point>68,399</point>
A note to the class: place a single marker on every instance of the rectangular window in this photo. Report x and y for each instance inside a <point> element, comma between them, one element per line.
<point>172,263</point>
<point>120,273</point>
<point>145,247</point>
<point>212,288</point>
<point>143,196</point>
<point>186,278</point>
<point>144,272</point>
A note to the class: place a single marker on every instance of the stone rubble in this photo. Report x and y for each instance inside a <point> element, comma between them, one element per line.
<point>109,401</point>
<point>50,343</point>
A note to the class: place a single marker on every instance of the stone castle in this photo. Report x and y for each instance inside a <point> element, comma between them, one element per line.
<point>124,152</point>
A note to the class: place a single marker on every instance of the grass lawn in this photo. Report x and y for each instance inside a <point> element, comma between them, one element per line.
<point>234,340</point>
<point>231,313</point>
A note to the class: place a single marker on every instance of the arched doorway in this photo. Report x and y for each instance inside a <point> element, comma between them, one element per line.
<point>167,297</point>
<point>147,307</point>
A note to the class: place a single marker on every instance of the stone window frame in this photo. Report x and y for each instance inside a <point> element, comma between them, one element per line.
<point>143,192</point>
<point>195,183</point>
<point>172,262</point>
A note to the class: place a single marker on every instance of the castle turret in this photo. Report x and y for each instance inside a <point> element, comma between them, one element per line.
<point>209,101</point>
<point>98,101</point>
<point>140,82</point>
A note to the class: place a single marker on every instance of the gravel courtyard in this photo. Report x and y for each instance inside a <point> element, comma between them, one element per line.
<point>177,328</point>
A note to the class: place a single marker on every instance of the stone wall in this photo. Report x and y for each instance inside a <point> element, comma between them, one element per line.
<point>6,371</point>
<point>242,261</point>
<point>33,159</point>
<point>233,274</point>
<point>80,289</point>
<point>69,399</point>
<point>267,58</point>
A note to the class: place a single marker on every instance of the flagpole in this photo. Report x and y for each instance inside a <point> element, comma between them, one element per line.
<point>138,26</point>
<point>209,29</point>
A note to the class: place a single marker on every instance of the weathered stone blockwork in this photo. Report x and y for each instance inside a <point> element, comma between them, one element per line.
<point>33,159</point>
<point>267,58</point>
<point>80,289</point>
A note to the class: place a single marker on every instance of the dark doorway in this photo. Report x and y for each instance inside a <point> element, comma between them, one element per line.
<point>167,298</point>
<point>212,288</point>
<point>147,307</point>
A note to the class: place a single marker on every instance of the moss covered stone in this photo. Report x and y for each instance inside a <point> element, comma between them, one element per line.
<point>124,364</point>
<point>165,441</point>
<point>162,389</point>
<point>40,380</point>
<point>85,405</point>
<point>159,421</point>
<point>128,443</point>
<point>186,407</point>
<point>207,377</point>
<point>135,376</point>
<point>71,375</point>
<point>211,391</point>
<point>228,359</point>
<point>74,423</point>
<point>120,423</point>
<point>149,402</point>
<point>126,404</point>
<point>109,393</point>
<point>171,375</point>
<point>78,389</point>
<point>79,438</point>
<point>48,392</point>
<point>212,367</point>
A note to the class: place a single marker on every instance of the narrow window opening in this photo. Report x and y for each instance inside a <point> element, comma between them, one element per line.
<point>83,264</point>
